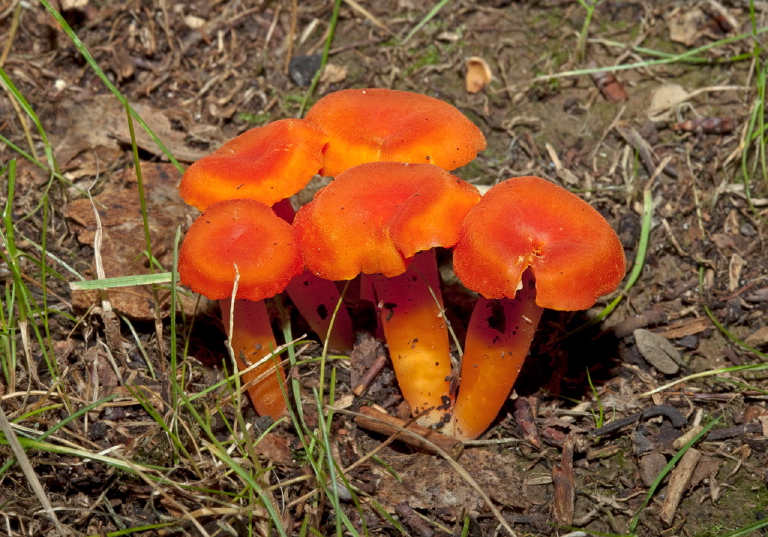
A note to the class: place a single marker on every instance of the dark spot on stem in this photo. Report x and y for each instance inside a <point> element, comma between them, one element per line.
<point>497,320</point>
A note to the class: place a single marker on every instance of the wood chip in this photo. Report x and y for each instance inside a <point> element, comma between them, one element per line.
<point>373,371</point>
<point>681,475</point>
<point>603,453</point>
<point>684,439</point>
<point>417,525</point>
<point>524,417</point>
<point>687,328</point>
<point>565,489</point>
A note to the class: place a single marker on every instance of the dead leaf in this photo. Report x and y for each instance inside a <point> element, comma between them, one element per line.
<point>123,243</point>
<point>333,74</point>
<point>478,74</point>
<point>685,25</point>
<point>664,100</point>
<point>274,448</point>
<point>109,114</point>
<point>735,266</point>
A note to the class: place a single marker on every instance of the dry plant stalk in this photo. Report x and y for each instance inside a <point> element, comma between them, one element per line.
<point>678,482</point>
<point>382,423</point>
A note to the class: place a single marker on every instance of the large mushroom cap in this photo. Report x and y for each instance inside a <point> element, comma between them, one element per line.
<point>266,164</point>
<point>373,125</point>
<point>245,233</point>
<point>574,254</point>
<point>374,217</point>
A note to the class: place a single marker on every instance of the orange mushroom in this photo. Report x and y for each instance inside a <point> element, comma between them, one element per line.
<point>244,237</point>
<point>373,125</point>
<point>375,218</point>
<point>269,164</point>
<point>527,245</point>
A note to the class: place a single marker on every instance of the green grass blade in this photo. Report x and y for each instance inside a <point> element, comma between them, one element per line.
<point>326,50</point>
<point>248,478</point>
<point>428,17</point>
<point>677,58</point>
<point>100,73</point>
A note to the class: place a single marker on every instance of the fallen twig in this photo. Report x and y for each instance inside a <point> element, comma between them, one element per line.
<point>382,423</point>
<point>677,485</point>
<point>372,372</point>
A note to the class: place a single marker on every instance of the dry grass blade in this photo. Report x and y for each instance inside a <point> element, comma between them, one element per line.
<point>368,15</point>
<point>29,473</point>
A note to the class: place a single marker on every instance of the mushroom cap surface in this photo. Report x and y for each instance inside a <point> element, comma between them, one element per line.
<point>574,254</point>
<point>266,164</point>
<point>375,217</point>
<point>245,233</point>
<point>373,125</point>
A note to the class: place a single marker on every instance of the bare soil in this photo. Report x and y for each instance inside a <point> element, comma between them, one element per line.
<point>200,73</point>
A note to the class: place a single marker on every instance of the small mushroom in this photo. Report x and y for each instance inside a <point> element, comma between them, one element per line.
<point>375,218</point>
<point>269,164</point>
<point>373,125</point>
<point>244,237</point>
<point>527,245</point>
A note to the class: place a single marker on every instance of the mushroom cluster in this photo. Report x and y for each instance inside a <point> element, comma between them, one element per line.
<point>526,245</point>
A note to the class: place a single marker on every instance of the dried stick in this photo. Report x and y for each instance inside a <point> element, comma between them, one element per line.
<point>382,423</point>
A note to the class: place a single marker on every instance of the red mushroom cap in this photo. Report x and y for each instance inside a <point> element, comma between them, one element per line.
<point>245,233</point>
<point>573,252</point>
<point>266,164</point>
<point>373,125</point>
<point>374,217</point>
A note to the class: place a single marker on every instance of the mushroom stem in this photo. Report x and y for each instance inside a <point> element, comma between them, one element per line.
<point>499,336</point>
<point>417,335</point>
<point>316,299</point>
<point>252,339</point>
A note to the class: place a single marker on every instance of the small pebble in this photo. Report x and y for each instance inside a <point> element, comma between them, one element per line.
<point>690,342</point>
<point>643,444</point>
<point>658,351</point>
<point>303,68</point>
<point>748,230</point>
<point>752,412</point>
<point>650,467</point>
<point>97,431</point>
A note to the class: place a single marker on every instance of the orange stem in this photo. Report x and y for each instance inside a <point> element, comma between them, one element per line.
<point>252,339</point>
<point>417,336</point>
<point>367,294</point>
<point>499,337</point>
<point>316,299</point>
